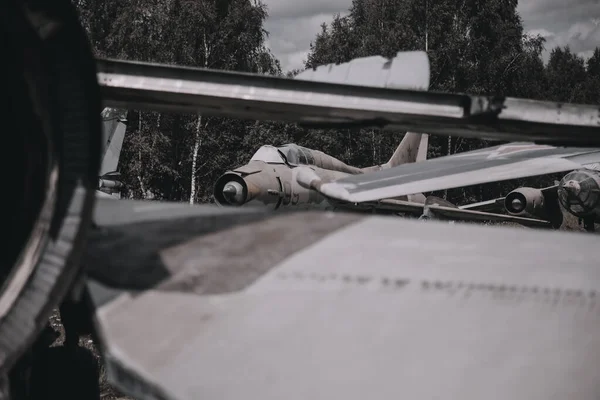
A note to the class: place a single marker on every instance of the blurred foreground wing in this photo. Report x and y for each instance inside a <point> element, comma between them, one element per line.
<point>344,98</point>
<point>234,304</point>
<point>510,161</point>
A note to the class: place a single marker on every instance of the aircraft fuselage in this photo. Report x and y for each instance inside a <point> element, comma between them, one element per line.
<point>275,186</point>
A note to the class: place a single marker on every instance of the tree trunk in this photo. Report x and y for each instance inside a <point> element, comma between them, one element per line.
<point>195,159</point>
<point>374,161</point>
<point>198,130</point>
<point>139,176</point>
<point>449,153</point>
<point>426,26</point>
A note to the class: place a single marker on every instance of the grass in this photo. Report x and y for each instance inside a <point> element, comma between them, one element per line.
<point>107,392</point>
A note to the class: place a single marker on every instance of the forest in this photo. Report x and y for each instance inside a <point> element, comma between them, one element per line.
<point>474,46</point>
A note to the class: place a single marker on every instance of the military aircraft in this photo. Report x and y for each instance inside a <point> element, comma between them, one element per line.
<point>269,178</point>
<point>192,302</point>
<point>113,129</point>
<point>578,192</point>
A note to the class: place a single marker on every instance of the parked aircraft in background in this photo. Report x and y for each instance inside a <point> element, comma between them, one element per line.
<point>269,178</point>
<point>578,192</point>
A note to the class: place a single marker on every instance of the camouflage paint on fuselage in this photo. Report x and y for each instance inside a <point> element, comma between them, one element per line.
<point>269,178</point>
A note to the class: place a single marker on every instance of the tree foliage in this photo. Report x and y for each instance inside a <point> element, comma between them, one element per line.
<point>164,153</point>
<point>474,46</point>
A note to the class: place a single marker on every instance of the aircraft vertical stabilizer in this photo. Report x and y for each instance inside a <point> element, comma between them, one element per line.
<point>113,130</point>
<point>412,148</point>
<point>422,152</point>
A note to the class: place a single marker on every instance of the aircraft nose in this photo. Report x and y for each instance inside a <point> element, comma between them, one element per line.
<point>233,193</point>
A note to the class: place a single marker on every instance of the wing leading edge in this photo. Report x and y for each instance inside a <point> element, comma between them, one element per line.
<point>239,95</point>
<point>441,210</point>
<point>510,161</point>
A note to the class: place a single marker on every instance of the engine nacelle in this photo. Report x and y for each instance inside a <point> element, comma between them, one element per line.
<point>236,189</point>
<point>525,202</point>
<point>109,184</point>
<point>231,190</point>
<point>533,203</point>
<point>579,192</point>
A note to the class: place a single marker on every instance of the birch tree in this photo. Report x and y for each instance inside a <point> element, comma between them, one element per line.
<point>176,157</point>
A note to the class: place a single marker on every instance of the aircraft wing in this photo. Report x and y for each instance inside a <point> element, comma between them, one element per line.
<point>205,302</point>
<point>509,161</point>
<point>346,98</point>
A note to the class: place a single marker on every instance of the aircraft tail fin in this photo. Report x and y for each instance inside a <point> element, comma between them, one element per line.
<point>412,148</point>
<point>423,146</point>
<point>113,130</point>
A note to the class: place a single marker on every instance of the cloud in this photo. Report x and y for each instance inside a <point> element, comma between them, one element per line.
<point>541,32</point>
<point>574,23</point>
<point>581,37</point>
<point>290,37</point>
<point>586,55</point>
<point>556,15</point>
<point>304,8</point>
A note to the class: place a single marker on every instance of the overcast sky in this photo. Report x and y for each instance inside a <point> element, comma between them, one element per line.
<point>292,24</point>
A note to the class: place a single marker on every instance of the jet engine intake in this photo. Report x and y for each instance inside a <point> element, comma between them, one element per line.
<point>109,184</point>
<point>533,203</point>
<point>579,192</point>
<point>231,190</point>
